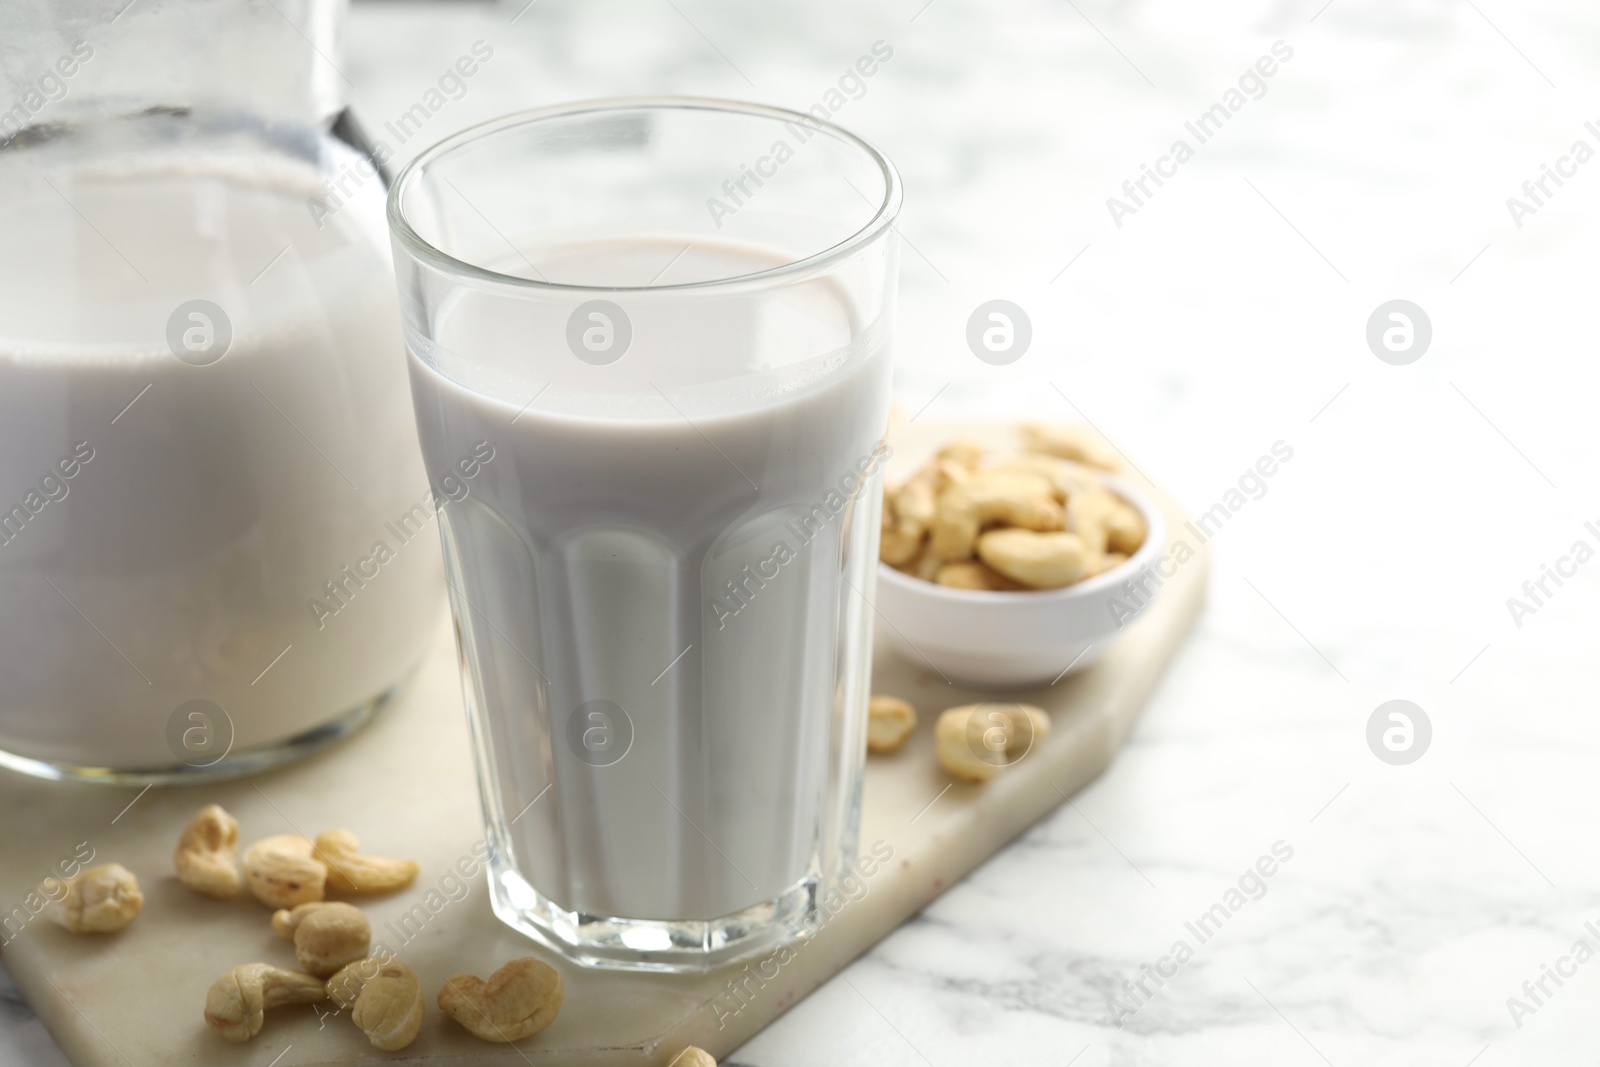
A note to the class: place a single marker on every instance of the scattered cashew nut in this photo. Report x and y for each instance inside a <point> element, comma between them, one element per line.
<point>207,857</point>
<point>326,934</point>
<point>236,1003</point>
<point>281,871</point>
<point>386,999</point>
<point>1038,560</point>
<point>351,872</point>
<point>890,721</point>
<point>518,1000</point>
<point>96,900</point>
<point>974,742</point>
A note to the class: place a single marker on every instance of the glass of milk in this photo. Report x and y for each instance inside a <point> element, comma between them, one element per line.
<point>217,546</point>
<point>656,332</point>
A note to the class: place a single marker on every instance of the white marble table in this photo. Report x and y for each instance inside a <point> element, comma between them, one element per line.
<point>1226,314</point>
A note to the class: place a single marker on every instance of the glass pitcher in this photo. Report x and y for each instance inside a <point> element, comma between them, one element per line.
<point>217,543</point>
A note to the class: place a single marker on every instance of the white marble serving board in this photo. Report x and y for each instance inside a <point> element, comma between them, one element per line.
<point>406,786</point>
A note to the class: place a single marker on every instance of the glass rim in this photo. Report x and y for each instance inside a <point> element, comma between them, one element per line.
<point>882,219</point>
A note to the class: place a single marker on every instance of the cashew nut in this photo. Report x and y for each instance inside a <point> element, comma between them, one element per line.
<point>975,741</point>
<point>350,872</point>
<point>1067,442</point>
<point>518,1000</point>
<point>386,998</point>
<point>972,574</point>
<point>924,565</point>
<point>890,721</point>
<point>1038,560</point>
<point>96,900</point>
<point>1125,528</point>
<point>900,544</point>
<point>915,503</point>
<point>1065,476</point>
<point>1014,498</point>
<point>207,858</point>
<point>963,451</point>
<point>281,871</point>
<point>236,1002</point>
<point>326,934</point>
<point>1088,516</point>
<point>909,511</point>
<point>693,1057</point>
<point>1100,564</point>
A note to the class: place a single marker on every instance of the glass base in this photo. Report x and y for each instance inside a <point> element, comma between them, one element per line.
<point>234,765</point>
<point>661,945</point>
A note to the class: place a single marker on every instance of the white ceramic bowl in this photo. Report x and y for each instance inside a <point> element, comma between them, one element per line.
<point>1024,639</point>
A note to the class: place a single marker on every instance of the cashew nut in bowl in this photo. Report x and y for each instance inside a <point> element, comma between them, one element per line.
<point>1067,442</point>
<point>900,544</point>
<point>1125,529</point>
<point>1037,560</point>
<point>206,858</point>
<point>915,503</point>
<point>974,574</point>
<point>351,872</point>
<point>1017,499</point>
<point>237,1002</point>
<point>1101,564</point>
<point>924,565</point>
<point>890,721</point>
<point>97,900</point>
<point>326,934</point>
<point>1066,477</point>
<point>281,871</point>
<point>385,998</point>
<point>963,451</point>
<point>517,1001</point>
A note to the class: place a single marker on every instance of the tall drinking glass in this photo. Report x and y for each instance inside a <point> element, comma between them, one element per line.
<point>650,341</point>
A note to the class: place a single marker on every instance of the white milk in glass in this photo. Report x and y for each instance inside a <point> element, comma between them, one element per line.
<point>209,506</point>
<point>661,558</point>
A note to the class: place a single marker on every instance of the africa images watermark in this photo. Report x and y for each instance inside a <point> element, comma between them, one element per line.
<point>749,580</point>
<point>1537,190</point>
<point>52,890</point>
<point>741,990</point>
<point>450,86</point>
<point>451,887</point>
<point>49,87</point>
<point>1535,991</point>
<point>852,85</point>
<point>343,587</point>
<point>1537,591</point>
<point>1138,591</point>
<point>52,488</point>
<point>1202,129</point>
<point>1136,993</point>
